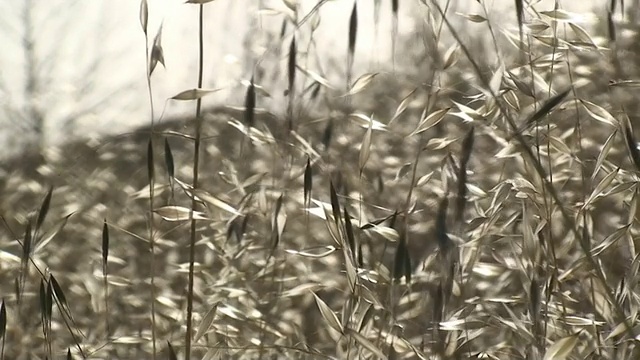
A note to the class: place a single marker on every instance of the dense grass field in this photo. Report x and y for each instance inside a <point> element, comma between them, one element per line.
<point>479,204</point>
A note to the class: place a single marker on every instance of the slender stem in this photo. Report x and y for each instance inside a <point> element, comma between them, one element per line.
<point>196,161</point>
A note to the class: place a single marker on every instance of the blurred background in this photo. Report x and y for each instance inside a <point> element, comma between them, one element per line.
<point>73,68</point>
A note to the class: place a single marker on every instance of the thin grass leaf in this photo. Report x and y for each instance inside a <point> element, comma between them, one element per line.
<point>632,145</point>
<point>335,204</point>
<point>611,27</point>
<point>450,57</point>
<point>193,94</point>
<point>473,17</point>
<point>291,65</point>
<point>404,104</point>
<point>395,7</point>
<point>522,86</point>
<point>24,261</point>
<point>308,183</point>
<point>562,348</point>
<point>276,226</point>
<point>172,353</point>
<point>544,110</point>
<point>430,121</point>
<point>366,343</point>
<point>3,319</point>
<point>353,34</point>
<point>365,122</point>
<point>57,291</point>
<point>599,113</point>
<point>598,191</point>
<point>606,148</point>
<point>365,149</point>
<point>179,213</point>
<point>205,325</point>
<point>351,240</point>
<point>144,16</point>
<point>250,104</point>
<point>361,83</point>
<point>328,315</point>
<point>157,53</point>
<point>327,135</point>
<point>442,235</point>
<point>51,233</point>
<point>168,159</point>
<point>69,357</point>
<point>461,195</point>
<point>105,246</point>
<point>214,201</point>
<point>316,77</point>
<point>402,261</point>
<point>610,240</point>
<point>44,209</point>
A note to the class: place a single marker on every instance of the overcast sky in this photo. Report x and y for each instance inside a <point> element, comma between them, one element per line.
<point>93,52</point>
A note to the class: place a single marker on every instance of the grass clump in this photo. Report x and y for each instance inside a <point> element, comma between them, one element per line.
<point>462,208</point>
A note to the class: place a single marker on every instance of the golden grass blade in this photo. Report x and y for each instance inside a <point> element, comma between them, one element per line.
<point>328,315</point>
<point>442,235</point>
<point>599,113</point>
<point>335,204</point>
<point>193,94</point>
<point>3,320</point>
<point>316,77</point>
<point>353,34</point>
<point>402,261</point>
<point>157,53</point>
<point>291,70</point>
<point>179,213</point>
<point>308,183</point>
<point>562,348</point>
<point>544,110</point>
<point>51,233</point>
<point>395,7</point>
<point>351,240</point>
<point>210,199</point>
<point>206,323</point>
<point>520,16</point>
<point>168,159</point>
<point>26,253</point>
<point>57,291</point>
<point>361,83</point>
<point>44,209</point>
<point>144,16</point>
<point>277,223</point>
<point>606,148</point>
<point>105,246</point>
<point>461,195</point>
<point>365,149</point>
<point>430,121</point>
<point>632,145</point>
<point>366,343</point>
<point>404,104</point>
<point>172,353</point>
<point>250,104</point>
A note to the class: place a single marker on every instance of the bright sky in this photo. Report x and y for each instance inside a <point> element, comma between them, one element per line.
<point>92,51</point>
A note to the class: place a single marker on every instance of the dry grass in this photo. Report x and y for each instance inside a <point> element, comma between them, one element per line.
<point>485,210</point>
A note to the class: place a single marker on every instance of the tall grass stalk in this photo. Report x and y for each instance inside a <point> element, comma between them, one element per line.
<point>144,17</point>
<point>196,168</point>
